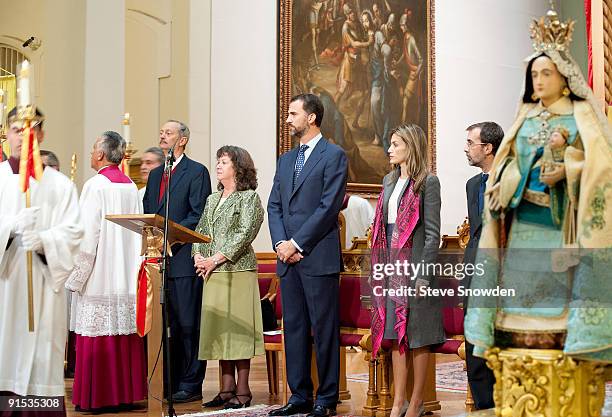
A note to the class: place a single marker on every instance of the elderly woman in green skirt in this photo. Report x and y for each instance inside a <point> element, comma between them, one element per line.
<point>232,330</point>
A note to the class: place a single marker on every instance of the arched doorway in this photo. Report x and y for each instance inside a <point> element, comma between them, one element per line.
<point>10,58</point>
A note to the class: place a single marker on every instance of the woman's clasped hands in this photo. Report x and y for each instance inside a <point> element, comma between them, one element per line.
<point>204,266</point>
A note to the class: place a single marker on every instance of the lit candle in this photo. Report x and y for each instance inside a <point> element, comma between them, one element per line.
<point>23,85</point>
<point>126,127</point>
<point>2,107</point>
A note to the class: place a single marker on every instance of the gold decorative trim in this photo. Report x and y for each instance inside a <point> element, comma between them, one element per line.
<point>528,380</point>
<point>494,363</point>
<point>565,369</point>
<point>463,230</point>
<point>537,197</point>
<point>431,73</point>
<point>545,383</point>
<point>528,324</point>
<point>595,388</point>
<point>607,38</point>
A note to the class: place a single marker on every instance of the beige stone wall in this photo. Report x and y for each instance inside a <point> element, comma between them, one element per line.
<point>164,67</point>
<point>147,62</point>
<point>58,66</point>
<point>174,91</point>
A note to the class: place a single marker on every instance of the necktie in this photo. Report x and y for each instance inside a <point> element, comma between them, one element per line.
<point>483,184</point>
<point>299,163</point>
<point>162,185</point>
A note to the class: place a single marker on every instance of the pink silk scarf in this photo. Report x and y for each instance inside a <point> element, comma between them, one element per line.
<point>401,248</point>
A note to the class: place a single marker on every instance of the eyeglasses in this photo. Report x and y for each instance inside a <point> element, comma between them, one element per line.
<point>470,143</point>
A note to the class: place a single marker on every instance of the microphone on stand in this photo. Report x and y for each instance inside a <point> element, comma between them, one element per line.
<point>170,158</point>
<point>164,270</point>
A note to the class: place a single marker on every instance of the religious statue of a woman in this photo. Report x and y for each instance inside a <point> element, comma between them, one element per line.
<point>549,208</point>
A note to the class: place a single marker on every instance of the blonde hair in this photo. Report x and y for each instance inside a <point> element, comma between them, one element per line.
<point>416,162</point>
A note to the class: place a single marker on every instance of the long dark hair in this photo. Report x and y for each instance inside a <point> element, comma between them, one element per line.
<point>246,174</point>
<point>527,97</point>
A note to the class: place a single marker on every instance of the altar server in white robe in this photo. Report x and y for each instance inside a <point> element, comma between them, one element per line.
<point>110,362</point>
<point>31,363</point>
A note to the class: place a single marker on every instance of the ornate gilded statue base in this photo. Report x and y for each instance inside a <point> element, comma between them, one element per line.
<point>545,383</point>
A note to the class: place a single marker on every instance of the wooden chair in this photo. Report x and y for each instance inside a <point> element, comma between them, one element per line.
<point>274,344</point>
<point>342,230</point>
<point>269,288</point>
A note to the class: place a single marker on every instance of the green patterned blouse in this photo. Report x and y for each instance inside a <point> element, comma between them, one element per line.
<point>232,226</point>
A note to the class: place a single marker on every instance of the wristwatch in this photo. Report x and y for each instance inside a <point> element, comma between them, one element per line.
<point>215,261</point>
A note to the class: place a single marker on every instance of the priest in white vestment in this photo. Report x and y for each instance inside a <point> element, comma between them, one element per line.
<point>110,361</point>
<point>32,363</point>
<point>358,216</point>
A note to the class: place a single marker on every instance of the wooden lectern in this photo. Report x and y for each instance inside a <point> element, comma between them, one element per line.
<point>151,227</point>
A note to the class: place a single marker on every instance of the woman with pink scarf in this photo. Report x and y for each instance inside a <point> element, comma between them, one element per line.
<point>407,228</point>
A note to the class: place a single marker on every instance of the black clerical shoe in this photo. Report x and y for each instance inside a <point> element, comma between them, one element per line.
<point>322,411</point>
<point>291,409</point>
<point>186,397</point>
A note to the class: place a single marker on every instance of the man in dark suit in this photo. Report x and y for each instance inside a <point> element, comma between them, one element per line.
<point>189,188</point>
<point>483,140</point>
<point>303,207</point>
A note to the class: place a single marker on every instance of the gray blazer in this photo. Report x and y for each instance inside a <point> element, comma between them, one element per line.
<point>425,325</point>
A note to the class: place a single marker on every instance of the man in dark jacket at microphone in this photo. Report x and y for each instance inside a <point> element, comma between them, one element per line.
<point>189,189</point>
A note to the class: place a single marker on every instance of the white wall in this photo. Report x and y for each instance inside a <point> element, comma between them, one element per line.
<point>104,81</point>
<point>480,48</point>
<point>57,67</point>
<point>199,81</point>
<point>243,88</point>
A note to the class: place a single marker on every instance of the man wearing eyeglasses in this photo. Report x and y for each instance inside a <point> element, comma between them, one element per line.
<point>483,140</point>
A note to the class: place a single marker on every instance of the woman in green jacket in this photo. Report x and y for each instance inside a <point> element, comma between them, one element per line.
<point>231,330</point>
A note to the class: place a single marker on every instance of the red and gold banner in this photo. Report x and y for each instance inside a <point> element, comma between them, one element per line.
<point>30,164</point>
<point>144,295</point>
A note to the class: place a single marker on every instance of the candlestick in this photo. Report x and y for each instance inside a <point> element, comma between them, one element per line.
<point>2,124</point>
<point>126,128</point>
<point>23,85</point>
<point>73,167</point>
<point>2,107</point>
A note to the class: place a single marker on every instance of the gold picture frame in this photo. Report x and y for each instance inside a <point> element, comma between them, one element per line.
<point>305,65</point>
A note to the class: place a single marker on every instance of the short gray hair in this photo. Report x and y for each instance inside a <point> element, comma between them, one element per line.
<point>113,146</point>
<point>157,151</point>
<point>183,129</point>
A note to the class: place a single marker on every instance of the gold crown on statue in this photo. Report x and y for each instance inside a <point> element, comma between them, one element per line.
<point>550,34</point>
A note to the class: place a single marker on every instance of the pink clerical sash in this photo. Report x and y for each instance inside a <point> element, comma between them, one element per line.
<point>114,174</point>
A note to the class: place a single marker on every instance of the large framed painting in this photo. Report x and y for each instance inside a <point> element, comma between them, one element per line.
<point>372,64</point>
